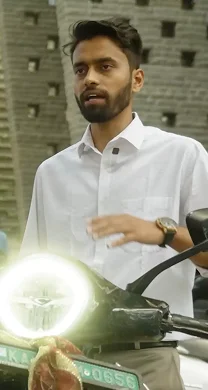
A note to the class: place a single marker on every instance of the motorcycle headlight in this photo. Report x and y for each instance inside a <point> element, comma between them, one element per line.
<point>43,295</point>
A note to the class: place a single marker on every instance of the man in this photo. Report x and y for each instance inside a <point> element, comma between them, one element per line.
<point>102,199</point>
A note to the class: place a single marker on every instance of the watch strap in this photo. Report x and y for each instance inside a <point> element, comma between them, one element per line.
<point>167,238</point>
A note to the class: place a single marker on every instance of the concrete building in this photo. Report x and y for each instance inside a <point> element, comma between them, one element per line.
<point>8,204</point>
<point>174,97</point>
<point>33,122</point>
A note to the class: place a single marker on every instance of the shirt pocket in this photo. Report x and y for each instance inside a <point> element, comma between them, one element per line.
<point>156,204</point>
<point>78,223</point>
<point>149,208</point>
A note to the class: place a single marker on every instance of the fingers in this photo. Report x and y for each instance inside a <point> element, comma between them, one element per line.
<point>105,226</point>
<point>121,241</point>
<point>97,225</point>
<point>124,225</point>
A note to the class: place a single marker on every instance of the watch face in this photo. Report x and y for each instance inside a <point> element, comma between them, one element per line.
<point>168,223</point>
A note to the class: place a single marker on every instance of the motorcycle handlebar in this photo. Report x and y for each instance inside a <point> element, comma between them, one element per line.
<point>178,323</point>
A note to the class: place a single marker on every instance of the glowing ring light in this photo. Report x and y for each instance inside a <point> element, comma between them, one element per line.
<point>32,268</point>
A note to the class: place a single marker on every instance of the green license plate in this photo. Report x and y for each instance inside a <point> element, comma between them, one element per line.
<point>91,371</point>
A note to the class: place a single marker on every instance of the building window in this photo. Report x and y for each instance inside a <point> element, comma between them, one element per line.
<point>52,149</point>
<point>187,58</point>
<point>168,29</point>
<point>207,32</point>
<point>53,89</point>
<point>96,1</point>
<point>145,56</point>
<point>33,110</point>
<point>187,4</point>
<point>169,119</point>
<point>52,3</point>
<point>142,2</point>
<point>52,42</point>
<point>31,18</point>
<point>33,64</point>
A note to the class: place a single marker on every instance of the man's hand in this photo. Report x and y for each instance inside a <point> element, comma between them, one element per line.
<point>132,228</point>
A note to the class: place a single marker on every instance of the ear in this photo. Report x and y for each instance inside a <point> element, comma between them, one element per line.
<point>137,80</point>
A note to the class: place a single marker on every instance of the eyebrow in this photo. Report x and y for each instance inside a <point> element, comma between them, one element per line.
<point>97,61</point>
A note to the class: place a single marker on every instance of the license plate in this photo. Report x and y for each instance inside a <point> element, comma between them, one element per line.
<point>92,372</point>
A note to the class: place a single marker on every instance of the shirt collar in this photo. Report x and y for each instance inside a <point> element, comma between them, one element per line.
<point>133,133</point>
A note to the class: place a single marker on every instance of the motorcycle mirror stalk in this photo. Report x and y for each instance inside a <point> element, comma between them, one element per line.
<point>197,224</point>
<point>131,316</point>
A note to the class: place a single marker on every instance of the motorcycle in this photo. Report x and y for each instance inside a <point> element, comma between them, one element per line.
<point>194,352</point>
<point>200,297</point>
<point>44,296</point>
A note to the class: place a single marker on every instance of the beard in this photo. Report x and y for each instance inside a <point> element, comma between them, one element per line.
<point>112,107</point>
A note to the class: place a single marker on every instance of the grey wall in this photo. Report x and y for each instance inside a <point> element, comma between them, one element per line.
<point>30,137</point>
<point>8,204</point>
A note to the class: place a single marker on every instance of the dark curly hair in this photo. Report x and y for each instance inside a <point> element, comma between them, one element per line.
<point>118,29</point>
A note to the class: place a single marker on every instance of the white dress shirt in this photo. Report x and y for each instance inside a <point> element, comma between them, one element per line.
<point>154,174</point>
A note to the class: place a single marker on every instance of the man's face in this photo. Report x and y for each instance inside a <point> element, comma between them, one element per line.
<point>103,80</point>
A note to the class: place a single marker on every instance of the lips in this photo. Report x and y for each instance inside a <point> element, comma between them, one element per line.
<point>93,95</point>
<point>94,101</point>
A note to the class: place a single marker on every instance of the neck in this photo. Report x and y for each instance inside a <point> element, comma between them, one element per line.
<point>102,133</point>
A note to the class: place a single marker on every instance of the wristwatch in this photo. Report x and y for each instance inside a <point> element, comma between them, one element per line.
<point>169,228</point>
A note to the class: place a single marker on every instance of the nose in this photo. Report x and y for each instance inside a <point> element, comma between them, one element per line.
<point>91,78</point>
